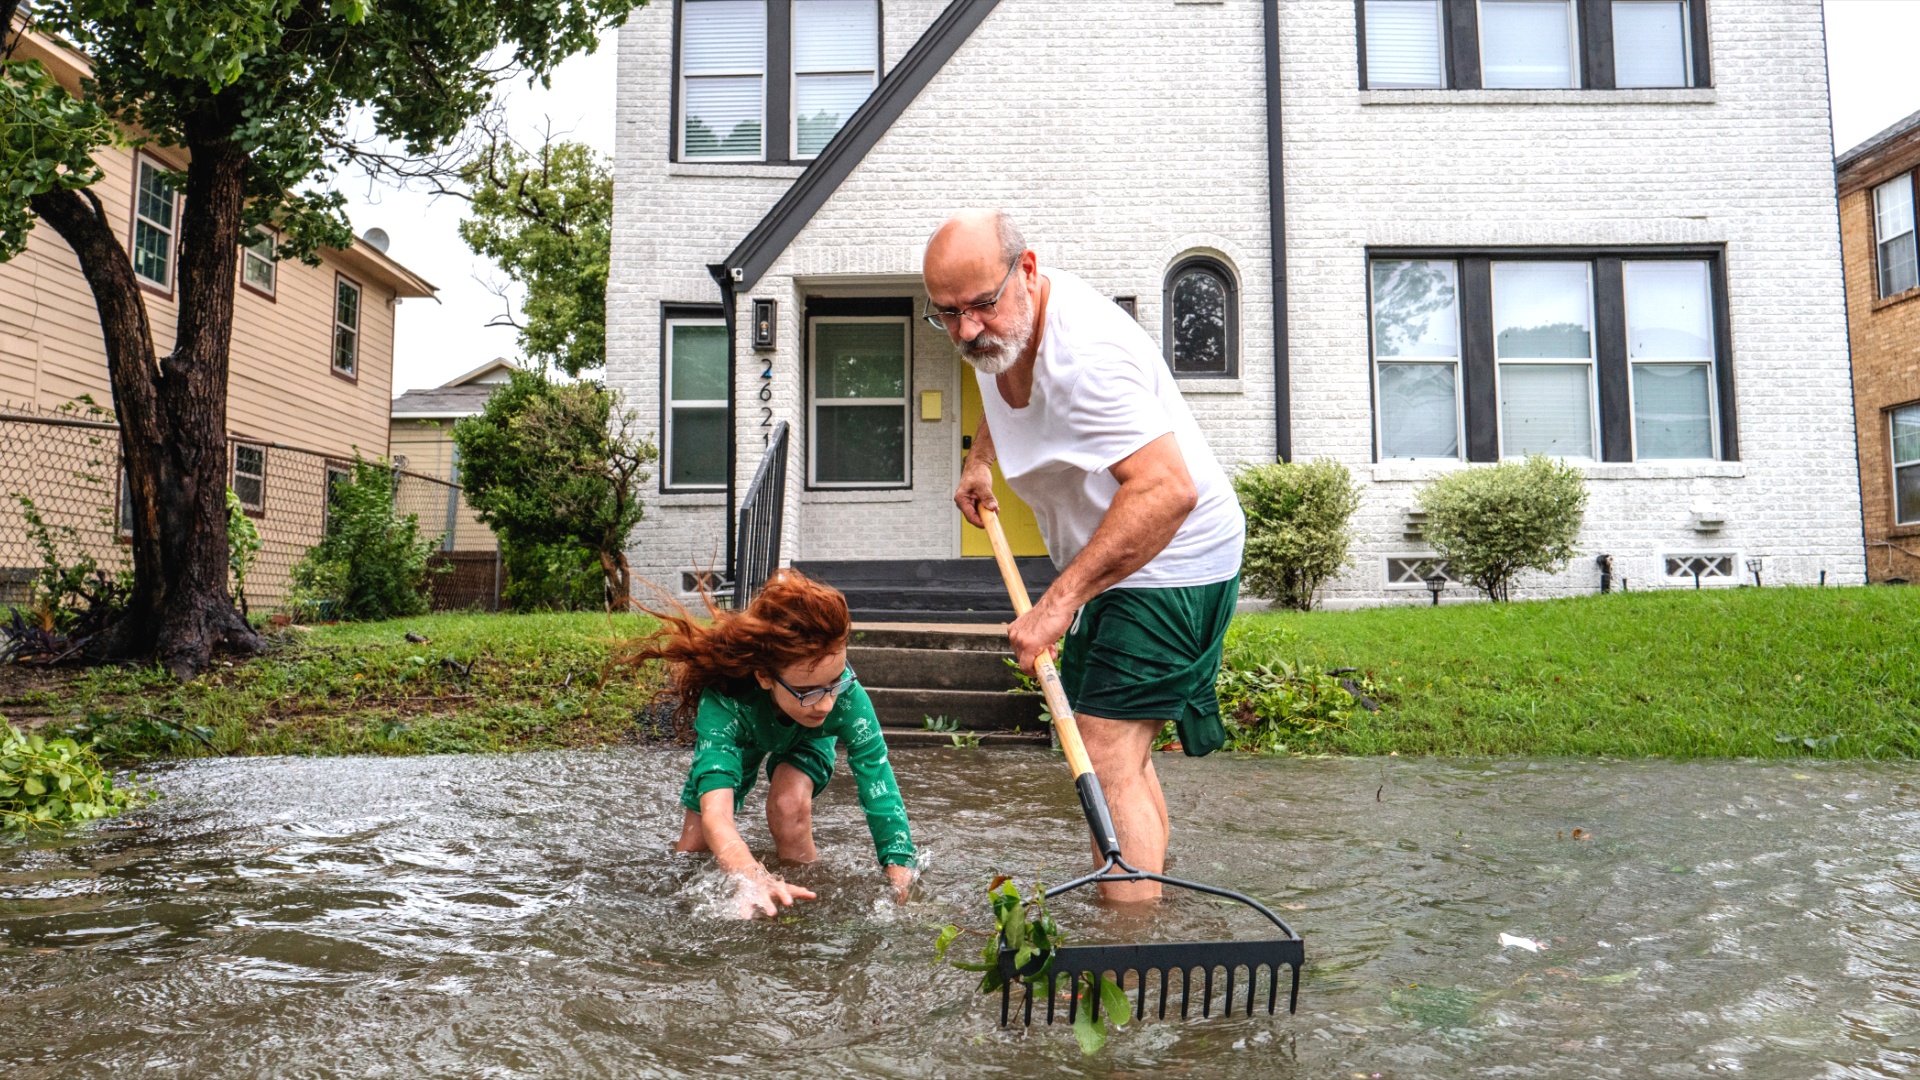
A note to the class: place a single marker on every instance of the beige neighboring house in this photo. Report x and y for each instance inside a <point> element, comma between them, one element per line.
<point>421,441</point>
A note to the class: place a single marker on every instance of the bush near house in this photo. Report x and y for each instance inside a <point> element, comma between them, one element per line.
<point>372,563</point>
<point>1297,532</point>
<point>1494,521</point>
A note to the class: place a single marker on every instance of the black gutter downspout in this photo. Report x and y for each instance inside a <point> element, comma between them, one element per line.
<point>724,278</point>
<point>1277,240</point>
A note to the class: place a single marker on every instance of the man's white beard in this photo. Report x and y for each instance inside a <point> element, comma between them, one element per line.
<point>990,354</point>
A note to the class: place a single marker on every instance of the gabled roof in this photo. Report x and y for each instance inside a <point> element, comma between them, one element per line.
<point>464,395</point>
<point>811,190</point>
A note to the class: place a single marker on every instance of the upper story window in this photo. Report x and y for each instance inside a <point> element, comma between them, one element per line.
<point>1906,465</point>
<point>1532,44</point>
<point>257,261</point>
<point>1894,251</point>
<point>346,328</point>
<point>1201,307</point>
<point>155,219</point>
<point>771,80</point>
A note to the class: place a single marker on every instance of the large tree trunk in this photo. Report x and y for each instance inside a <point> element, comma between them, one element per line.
<point>173,414</point>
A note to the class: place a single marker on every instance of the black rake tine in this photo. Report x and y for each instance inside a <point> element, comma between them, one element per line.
<point>1050,993</point>
<point>1006,991</point>
<point>1186,990</point>
<point>1228,1011</point>
<point>1140,1002</point>
<point>1206,995</point>
<point>1163,994</point>
<point>1253,986</point>
<point>1293,999</point>
<point>1073,997</point>
<point>1273,989</point>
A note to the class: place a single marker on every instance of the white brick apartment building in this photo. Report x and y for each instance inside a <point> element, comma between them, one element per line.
<point>1601,229</point>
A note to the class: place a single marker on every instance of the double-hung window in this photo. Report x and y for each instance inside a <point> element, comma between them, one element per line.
<point>1416,350</point>
<point>836,64</point>
<point>1894,251</point>
<point>1599,354</point>
<point>346,328</point>
<point>156,215</point>
<point>696,405</point>
<point>1532,44</point>
<point>257,261</point>
<point>723,79</point>
<point>1543,344</point>
<point>858,401</point>
<point>250,476</point>
<point>1906,465</point>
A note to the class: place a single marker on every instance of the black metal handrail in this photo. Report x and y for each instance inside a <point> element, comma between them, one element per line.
<point>756,549</point>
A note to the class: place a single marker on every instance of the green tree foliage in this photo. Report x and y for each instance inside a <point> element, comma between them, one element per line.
<point>1297,535</point>
<point>551,577</point>
<point>546,219</point>
<point>558,464</point>
<point>243,543</point>
<point>266,99</point>
<point>1495,521</point>
<point>372,563</point>
<point>49,783</point>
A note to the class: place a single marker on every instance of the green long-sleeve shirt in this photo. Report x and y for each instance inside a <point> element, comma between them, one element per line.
<point>733,735</point>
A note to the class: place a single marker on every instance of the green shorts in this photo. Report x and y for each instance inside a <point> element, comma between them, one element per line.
<point>1152,654</point>
<point>814,757</point>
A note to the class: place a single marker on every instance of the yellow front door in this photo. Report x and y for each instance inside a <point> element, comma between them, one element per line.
<point>1016,517</point>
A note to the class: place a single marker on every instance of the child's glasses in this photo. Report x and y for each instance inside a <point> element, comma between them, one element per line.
<point>808,697</point>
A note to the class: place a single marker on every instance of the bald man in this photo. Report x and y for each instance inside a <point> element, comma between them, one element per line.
<point>1084,419</point>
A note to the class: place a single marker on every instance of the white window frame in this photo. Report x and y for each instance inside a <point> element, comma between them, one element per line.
<point>1880,242</point>
<point>1435,560</point>
<point>341,281</point>
<point>271,260</point>
<point>906,418</point>
<point>1574,59</point>
<point>1717,581</point>
<point>1897,465</point>
<point>1710,360</point>
<point>170,230</point>
<point>1592,362</point>
<point>670,403</point>
<point>1686,49</point>
<point>258,506</point>
<point>680,136</point>
<point>793,82</point>
<point>1458,362</point>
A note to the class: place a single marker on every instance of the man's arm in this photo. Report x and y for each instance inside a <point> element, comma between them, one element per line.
<point>976,478</point>
<point>1156,495</point>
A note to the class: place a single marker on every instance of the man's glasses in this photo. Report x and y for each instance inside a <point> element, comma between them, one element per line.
<point>948,318</point>
<point>808,697</point>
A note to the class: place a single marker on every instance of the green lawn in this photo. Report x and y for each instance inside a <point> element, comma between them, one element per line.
<point>1718,673</point>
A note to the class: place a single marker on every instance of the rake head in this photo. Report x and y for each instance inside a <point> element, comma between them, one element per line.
<point>1181,966</point>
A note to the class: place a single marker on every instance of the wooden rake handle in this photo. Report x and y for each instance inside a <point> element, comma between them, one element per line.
<point>1092,800</point>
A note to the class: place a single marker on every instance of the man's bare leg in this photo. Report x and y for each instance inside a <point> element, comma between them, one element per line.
<point>1122,755</point>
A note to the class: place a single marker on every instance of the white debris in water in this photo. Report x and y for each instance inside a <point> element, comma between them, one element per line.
<point>1605,945</point>
<point>1509,940</point>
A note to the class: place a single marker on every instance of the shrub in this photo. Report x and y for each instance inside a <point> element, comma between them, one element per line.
<point>1296,528</point>
<point>551,577</point>
<point>48,783</point>
<point>243,543</point>
<point>1493,522</point>
<point>371,564</point>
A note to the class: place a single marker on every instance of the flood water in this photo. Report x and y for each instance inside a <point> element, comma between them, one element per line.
<point>520,916</point>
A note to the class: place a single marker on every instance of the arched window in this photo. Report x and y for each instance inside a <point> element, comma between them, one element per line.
<point>1203,314</point>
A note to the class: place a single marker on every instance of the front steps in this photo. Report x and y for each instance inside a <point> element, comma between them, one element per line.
<point>912,672</point>
<point>927,590</point>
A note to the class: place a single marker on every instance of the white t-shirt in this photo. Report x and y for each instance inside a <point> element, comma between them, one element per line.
<point>1100,392</point>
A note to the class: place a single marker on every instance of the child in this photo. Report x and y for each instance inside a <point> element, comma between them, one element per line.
<point>773,685</point>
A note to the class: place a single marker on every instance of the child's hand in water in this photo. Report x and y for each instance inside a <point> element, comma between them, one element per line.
<point>761,893</point>
<point>901,878</point>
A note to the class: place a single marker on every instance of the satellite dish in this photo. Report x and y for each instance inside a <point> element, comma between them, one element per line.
<point>376,239</point>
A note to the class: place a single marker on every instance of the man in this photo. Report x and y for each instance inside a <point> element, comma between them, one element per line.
<point>1087,426</point>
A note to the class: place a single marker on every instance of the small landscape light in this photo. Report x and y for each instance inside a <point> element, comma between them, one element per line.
<point>1436,582</point>
<point>1754,566</point>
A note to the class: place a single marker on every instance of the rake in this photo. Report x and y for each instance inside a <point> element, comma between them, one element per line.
<point>1173,961</point>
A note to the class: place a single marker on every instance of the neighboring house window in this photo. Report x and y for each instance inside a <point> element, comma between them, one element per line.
<point>858,401</point>
<point>155,218</point>
<point>346,328</point>
<point>1531,44</point>
<point>1893,231</point>
<point>1651,45</point>
<point>1906,465</point>
<point>723,57</point>
<point>1416,349</point>
<point>1543,343</point>
<point>1607,354</point>
<point>1201,306</point>
<point>1406,45</point>
<point>836,64</point>
<point>250,476</point>
<point>1670,347</point>
<point>257,261</point>
<point>696,405</point>
<point>1528,44</point>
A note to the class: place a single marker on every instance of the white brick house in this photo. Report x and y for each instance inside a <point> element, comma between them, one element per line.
<point>1605,229</point>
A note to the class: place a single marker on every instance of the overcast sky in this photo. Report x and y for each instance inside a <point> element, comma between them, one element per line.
<point>1871,70</point>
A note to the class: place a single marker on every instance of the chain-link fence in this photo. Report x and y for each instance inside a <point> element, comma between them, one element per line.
<point>65,496</point>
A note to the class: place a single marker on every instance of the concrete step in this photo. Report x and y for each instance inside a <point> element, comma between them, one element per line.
<point>897,590</point>
<point>931,669</point>
<point>903,737</point>
<point>930,634</point>
<point>976,710</point>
